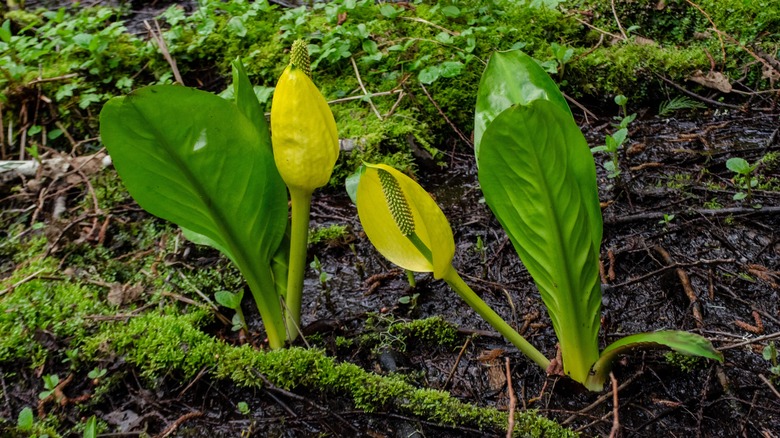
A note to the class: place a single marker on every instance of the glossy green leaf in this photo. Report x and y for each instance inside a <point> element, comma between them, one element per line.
<point>682,342</point>
<point>514,78</point>
<point>511,78</point>
<point>194,159</point>
<point>247,102</point>
<point>524,171</point>
<point>428,223</point>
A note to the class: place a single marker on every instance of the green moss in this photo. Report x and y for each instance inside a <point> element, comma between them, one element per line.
<point>331,235</point>
<point>684,362</point>
<point>36,312</point>
<point>160,344</point>
<point>385,331</point>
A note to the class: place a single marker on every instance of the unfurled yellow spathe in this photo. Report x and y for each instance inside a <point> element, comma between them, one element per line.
<point>303,130</point>
<point>393,229</point>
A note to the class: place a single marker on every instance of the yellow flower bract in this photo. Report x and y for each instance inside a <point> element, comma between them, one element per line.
<point>430,224</point>
<point>303,132</point>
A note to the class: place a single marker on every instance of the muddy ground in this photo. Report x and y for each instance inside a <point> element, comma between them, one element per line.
<point>712,269</point>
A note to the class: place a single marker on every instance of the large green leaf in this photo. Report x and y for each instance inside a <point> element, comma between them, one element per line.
<point>514,78</point>
<point>511,78</point>
<point>524,171</point>
<point>682,342</point>
<point>194,159</point>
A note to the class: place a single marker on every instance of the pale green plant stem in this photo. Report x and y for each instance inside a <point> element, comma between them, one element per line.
<point>299,240</point>
<point>261,284</point>
<point>475,302</point>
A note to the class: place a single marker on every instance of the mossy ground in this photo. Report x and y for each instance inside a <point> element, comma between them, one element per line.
<point>90,56</point>
<point>55,312</point>
<point>65,324</point>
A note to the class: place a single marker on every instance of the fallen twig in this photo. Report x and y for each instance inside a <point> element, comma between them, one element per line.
<point>366,94</point>
<point>512,401</point>
<point>686,284</point>
<point>600,400</point>
<point>696,96</point>
<point>655,215</point>
<point>457,361</point>
<point>617,20</point>
<point>156,35</point>
<point>751,341</point>
<point>769,384</point>
<point>175,425</point>
<point>615,420</point>
<point>452,125</point>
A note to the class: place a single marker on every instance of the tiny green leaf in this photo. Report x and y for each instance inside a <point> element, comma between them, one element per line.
<point>738,165</point>
<point>227,299</point>
<point>25,420</point>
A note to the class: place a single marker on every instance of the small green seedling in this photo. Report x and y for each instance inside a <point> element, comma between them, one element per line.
<point>615,141</point>
<point>233,301</point>
<point>744,178</point>
<point>321,273</point>
<point>770,354</point>
<point>562,55</point>
<point>25,420</point>
<point>243,408</point>
<point>96,374</point>
<point>410,300</point>
<point>667,219</point>
<point>50,382</point>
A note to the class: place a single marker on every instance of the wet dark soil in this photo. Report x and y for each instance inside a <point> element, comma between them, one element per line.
<point>712,269</point>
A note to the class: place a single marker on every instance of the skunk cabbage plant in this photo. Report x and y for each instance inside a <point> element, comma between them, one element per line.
<point>208,165</point>
<point>539,179</point>
<point>306,146</point>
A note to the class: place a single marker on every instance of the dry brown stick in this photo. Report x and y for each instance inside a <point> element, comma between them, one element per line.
<point>696,96</point>
<point>617,20</point>
<point>686,284</point>
<point>2,134</point>
<point>580,106</point>
<point>54,79</point>
<point>423,21</point>
<point>751,341</point>
<point>601,31</point>
<point>768,383</point>
<point>512,401</point>
<point>395,105</point>
<point>600,400</point>
<point>175,425</point>
<point>673,266</point>
<point>21,282</point>
<point>653,215</point>
<point>158,38</point>
<point>363,87</point>
<point>362,96</point>
<point>615,420</point>
<point>452,125</point>
<point>722,45</point>
<point>457,361</point>
<point>763,61</point>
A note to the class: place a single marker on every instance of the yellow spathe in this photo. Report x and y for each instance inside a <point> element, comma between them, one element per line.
<point>303,132</point>
<point>430,224</point>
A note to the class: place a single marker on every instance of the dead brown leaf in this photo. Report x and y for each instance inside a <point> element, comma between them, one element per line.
<point>714,79</point>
